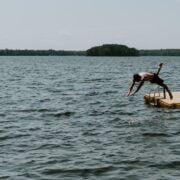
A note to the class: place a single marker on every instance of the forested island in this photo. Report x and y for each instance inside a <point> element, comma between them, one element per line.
<point>104,50</point>
<point>122,50</point>
<point>112,50</point>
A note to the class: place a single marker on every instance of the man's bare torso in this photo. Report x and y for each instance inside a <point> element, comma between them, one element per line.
<point>146,76</point>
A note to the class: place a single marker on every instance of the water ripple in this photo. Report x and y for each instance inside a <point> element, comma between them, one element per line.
<point>84,171</point>
<point>69,118</point>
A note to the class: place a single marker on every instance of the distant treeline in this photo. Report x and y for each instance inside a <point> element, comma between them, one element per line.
<point>112,50</point>
<point>104,50</point>
<point>160,52</point>
<point>10,52</point>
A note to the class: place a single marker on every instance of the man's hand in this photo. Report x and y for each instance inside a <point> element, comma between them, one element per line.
<point>128,94</point>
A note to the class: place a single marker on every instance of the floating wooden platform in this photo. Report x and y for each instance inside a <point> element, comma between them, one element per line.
<point>157,99</point>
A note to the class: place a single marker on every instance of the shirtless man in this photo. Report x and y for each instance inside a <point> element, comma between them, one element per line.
<point>151,77</point>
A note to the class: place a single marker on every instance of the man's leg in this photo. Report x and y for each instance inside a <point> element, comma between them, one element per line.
<point>166,88</point>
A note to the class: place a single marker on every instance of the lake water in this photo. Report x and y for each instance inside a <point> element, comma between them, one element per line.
<point>69,118</point>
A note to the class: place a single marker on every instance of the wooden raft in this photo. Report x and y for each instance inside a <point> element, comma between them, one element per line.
<point>157,99</point>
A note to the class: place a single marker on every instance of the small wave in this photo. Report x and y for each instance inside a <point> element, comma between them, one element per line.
<point>4,177</point>
<point>60,114</point>
<point>92,93</point>
<point>109,112</point>
<point>67,114</point>
<point>47,146</point>
<point>96,113</point>
<point>34,110</point>
<point>2,115</point>
<point>119,112</point>
<point>117,119</point>
<point>94,80</point>
<point>167,165</point>
<point>2,131</point>
<point>84,171</point>
<point>6,137</point>
<point>44,100</point>
<point>134,161</point>
<point>34,129</point>
<point>43,110</point>
<point>175,133</point>
<point>96,103</point>
<point>110,92</point>
<point>155,134</point>
<point>56,90</point>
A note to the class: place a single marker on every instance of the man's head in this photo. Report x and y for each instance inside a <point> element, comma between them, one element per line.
<point>137,77</point>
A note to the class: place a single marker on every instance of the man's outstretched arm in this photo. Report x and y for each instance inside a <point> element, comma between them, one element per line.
<point>138,88</point>
<point>131,87</point>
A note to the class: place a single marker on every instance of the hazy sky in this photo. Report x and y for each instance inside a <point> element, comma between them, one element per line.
<point>81,24</point>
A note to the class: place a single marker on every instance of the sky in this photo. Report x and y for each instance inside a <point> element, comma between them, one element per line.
<point>82,24</point>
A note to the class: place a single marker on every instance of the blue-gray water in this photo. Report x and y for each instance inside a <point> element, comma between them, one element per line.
<point>69,118</point>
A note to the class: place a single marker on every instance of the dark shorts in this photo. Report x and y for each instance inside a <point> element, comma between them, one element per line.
<point>156,79</point>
